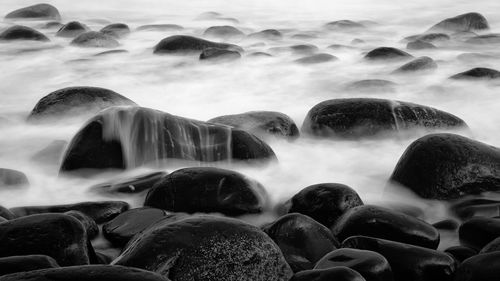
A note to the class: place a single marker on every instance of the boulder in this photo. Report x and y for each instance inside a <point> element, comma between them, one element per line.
<point>94,39</point>
<point>461,253</point>
<point>371,86</point>
<point>215,54</point>
<point>493,246</point>
<point>478,73</point>
<point>344,24</point>
<point>316,58</point>
<point>72,29</point>
<point>160,27</point>
<point>267,34</point>
<point>189,44</point>
<point>461,23</point>
<point>477,232</point>
<point>223,32</point>
<point>339,273</point>
<point>88,223</point>
<point>469,207</point>
<point>387,53</point>
<point>419,45</point>
<point>116,30</point>
<point>38,11</point>
<point>135,184</point>
<point>429,37</point>
<point>418,64</point>
<point>19,32</point>
<point>483,267</point>
<point>486,39</point>
<point>14,264</point>
<point>12,178</point>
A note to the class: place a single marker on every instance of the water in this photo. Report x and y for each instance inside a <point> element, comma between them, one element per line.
<point>183,86</point>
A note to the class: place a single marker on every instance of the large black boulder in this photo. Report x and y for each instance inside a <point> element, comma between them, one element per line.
<point>189,44</point>
<point>61,237</point>
<point>460,23</point>
<point>207,248</point>
<point>478,73</point>
<point>408,262</point>
<point>374,221</point>
<point>19,32</point>
<point>38,11</point>
<point>72,29</point>
<point>12,178</point>
<point>483,267</point>
<point>14,264</point>
<point>477,232</point>
<point>73,101</point>
<point>446,166</point>
<point>324,202</point>
<point>387,53</point>
<point>207,190</point>
<point>302,240</point>
<point>128,137</point>
<point>339,273</point>
<point>354,118</point>
<point>94,39</point>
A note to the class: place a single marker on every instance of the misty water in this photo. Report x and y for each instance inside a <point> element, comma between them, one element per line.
<point>184,86</point>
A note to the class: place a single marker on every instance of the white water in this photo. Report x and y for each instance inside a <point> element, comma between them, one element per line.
<point>183,86</point>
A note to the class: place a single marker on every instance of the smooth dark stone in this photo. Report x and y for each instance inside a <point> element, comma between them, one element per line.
<point>477,73</point>
<point>302,240</point>
<point>14,264</point>
<point>99,211</point>
<point>215,54</point>
<point>135,184</point>
<point>12,178</point>
<point>324,202</point>
<point>477,232</point>
<point>6,213</point>
<point>493,246</point>
<point>371,85</point>
<point>122,228</point>
<point>87,273</point>
<point>189,44</point>
<point>267,34</point>
<point>383,223</point>
<point>468,208</point>
<point>317,58</point>
<point>61,237</point>
<point>88,223</point>
<point>261,123</point>
<point>408,262</point>
<point>160,27</point>
<point>447,166</point>
<point>484,39</point>
<point>366,117</point>
<point>72,29</point>
<point>116,30</point>
<point>419,64</point>
<point>464,22</point>
<point>208,190</point>
<point>339,273</point>
<point>76,101</point>
<point>51,154</point>
<point>94,39</point>
<point>19,32</point>
<point>344,24</point>
<point>38,11</point>
<point>207,248</point>
<point>483,267</point>
<point>461,253</point>
<point>447,224</point>
<point>419,45</point>
<point>387,53</point>
<point>52,24</point>
<point>371,265</point>
<point>223,31</point>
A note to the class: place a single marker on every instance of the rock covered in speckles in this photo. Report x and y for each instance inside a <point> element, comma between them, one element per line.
<point>371,265</point>
<point>216,54</point>
<point>14,264</point>
<point>408,262</point>
<point>478,73</point>
<point>61,237</point>
<point>446,166</point>
<point>86,273</point>
<point>483,267</point>
<point>354,118</point>
<point>208,190</point>
<point>38,11</point>
<point>302,240</point>
<point>19,32</point>
<point>477,232</point>
<point>189,44</point>
<point>72,29</point>
<point>418,64</point>
<point>339,273</point>
<point>261,123</point>
<point>72,101</point>
<point>207,248</point>
<point>134,184</point>
<point>387,53</point>
<point>460,23</point>
<point>94,39</point>
<point>324,202</point>
<point>12,178</point>
<point>374,221</point>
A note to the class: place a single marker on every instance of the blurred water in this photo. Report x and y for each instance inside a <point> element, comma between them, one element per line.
<point>183,86</point>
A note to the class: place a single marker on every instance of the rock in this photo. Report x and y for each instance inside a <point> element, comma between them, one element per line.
<point>51,154</point>
<point>127,224</point>
<point>160,27</point>
<point>468,208</point>
<point>477,73</point>
<point>261,123</point>
<point>224,32</point>
<point>447,224</point>
<point>484,39</point>
<point>302,240</point>
<point>215,54</point>
<point>300,49</point>
<point>73,101</point>
<point>344,24</point>
<point>103,259</point>
<point>189,44</point>
<point>135,184</point>
<point>259,55</point>
<point>324,202</point>
<point>429,37</point>
<point>477,232</point>
<point>339,273</point>
<point>371,265</point>
<point>378,222</point>
<point>12,178</point>
<point>94,39</point>
<point>408,262</point>
<point>340,47</point>
<point>99,211</point>
<point>88,223</point>
<point>147,135</point>
<point>116,30</point>
<point>317,58</point>
<point>464,22</point>
<point>86,273</point>
<point>387,53</point>
<point>267,34</point>
<point>72,29</point>
<point>493,246</point>
<point>38,11</point>
<point>59,236</point>
<point>419,64</point>
<point>6,213</point>
<point>206,248</point>
<point>447,166</point>
<point>364,117</point>
<point>357,41</point>
<point>51,25</point>
<point>461,253</point>
<point>483,267</point>
<point>110,52</point>
<point>419,45</point>
<point>19,32</point>
<point>14,264</point>
<point>208,190</point>
<point>371,85</point>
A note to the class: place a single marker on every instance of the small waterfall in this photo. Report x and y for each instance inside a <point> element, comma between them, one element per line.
<point>150,136</point>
